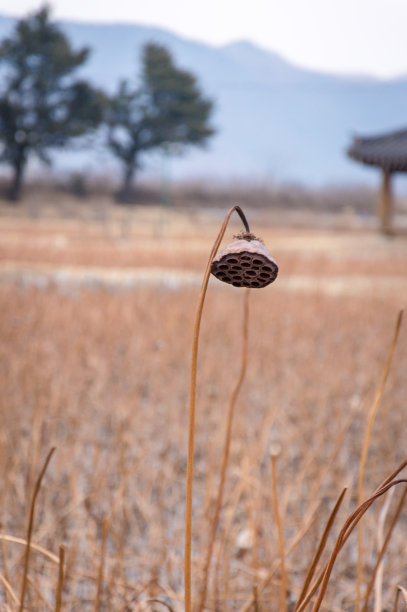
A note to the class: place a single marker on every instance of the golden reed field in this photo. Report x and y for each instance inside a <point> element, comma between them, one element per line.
<point>97,319</point>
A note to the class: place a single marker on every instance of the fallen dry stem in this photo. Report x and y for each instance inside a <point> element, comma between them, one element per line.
<point>15,540</point>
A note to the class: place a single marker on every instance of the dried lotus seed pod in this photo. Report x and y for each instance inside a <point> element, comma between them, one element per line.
<point>245,263</point>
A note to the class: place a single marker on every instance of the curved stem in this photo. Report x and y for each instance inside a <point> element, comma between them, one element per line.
<point>192,401</point>
<point>346,530</point>
<point>390,479</point>
<point>382,550</point>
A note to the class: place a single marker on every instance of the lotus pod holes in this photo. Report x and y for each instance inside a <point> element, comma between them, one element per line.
<point>245,262</point>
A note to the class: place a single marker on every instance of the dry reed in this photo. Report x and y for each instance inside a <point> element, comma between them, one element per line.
<point>60,584</point>
<point>226,451</point>
<point>365,448</point>
<point>283,591</point>
<point>101,374</point>
<point>30,529</point>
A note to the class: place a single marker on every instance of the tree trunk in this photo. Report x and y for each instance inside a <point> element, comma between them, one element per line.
<point>124,195</point>
<point>15,189</point>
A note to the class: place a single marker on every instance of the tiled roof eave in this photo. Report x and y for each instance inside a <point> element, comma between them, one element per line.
<point>387,151</point>
<point>389,165</point>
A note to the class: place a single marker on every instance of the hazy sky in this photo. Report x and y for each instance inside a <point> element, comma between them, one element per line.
<point>352,36</point>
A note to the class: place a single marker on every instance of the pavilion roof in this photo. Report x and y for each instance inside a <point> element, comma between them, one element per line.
<point>388,151</point>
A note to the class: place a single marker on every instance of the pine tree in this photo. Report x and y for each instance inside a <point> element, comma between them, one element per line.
<point>42,107</point>
<point>166,110</point>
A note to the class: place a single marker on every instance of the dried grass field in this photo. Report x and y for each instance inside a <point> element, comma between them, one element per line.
<point>95,344</point>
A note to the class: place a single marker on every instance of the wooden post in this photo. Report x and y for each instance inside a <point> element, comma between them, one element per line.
<point>385,209</point>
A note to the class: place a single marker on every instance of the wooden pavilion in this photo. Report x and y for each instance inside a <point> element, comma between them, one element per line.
<point>388,152</point>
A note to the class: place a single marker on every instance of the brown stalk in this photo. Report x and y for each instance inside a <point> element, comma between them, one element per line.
<point>256,607</point>
<point>46,553</point>
<point>99,586</point>
<point>58,599</point>
<point>365,450</point>
<point>400,590</point>
<point>378,583</point>
<point>5,565</point>
<point>396,600</point>
<point>163,603</point>
<point>224,535</point>
<point>315,586</point>
<point>9,589</point>
<point>385,483</point>
<point>318,581</point>
<point>40,602</point>
<point>106,523</point>
<point>393,475</point>
<point>309,519</point>
<point>192,403</point>
<point>346,530</point>
<point>283,584</point>
<point>320,549</point>
<point>311,592</point>
<point>383,549</point>
<point>226,450</point>
<point>322,574</point>
<point>403,592</point>
<point>30,528</point>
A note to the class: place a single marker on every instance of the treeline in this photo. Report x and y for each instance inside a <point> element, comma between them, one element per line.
<point>44,106</point>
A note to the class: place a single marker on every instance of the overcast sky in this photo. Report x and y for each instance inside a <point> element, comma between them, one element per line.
<point>345,36</point>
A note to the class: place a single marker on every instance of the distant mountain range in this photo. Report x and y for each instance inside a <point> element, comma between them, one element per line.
<point>276,121</point>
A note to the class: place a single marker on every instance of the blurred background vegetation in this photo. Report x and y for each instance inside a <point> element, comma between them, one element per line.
<point>43,106</point>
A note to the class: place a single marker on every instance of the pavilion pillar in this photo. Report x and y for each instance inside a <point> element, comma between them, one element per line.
<point>385,208</point>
